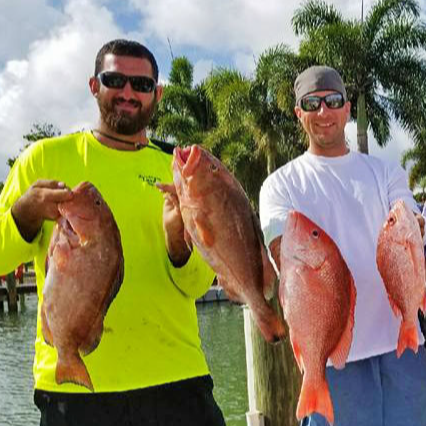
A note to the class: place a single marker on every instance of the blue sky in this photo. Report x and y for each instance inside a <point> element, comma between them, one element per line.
<point>47,51</point>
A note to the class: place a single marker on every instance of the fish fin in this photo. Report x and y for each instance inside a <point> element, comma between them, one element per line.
<point>395,308</point>
<point>269,323</point>
<point>71,369</point>
<point>115,288</point>
<point>423,305</point>
<point>315,398</point>
<point>341,351</point>
<point>269,276</point>
<point>408,337</point>
<point>94,336</point>
<point>204,233</point>
<point>188,239</point>
<point>235,297</point>
<point>298,355</point>
<point>47,334</point>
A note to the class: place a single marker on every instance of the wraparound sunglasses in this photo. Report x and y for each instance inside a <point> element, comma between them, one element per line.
<point>313,103</point>
<point>116,80</point>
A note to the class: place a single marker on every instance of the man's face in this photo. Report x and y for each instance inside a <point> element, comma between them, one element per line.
<point>125,111</point>
<point>325,127</point>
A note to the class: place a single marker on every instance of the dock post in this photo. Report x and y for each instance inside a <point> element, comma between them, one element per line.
<point>276,377</point>
<point>253,416</point>
<point>12,293</point>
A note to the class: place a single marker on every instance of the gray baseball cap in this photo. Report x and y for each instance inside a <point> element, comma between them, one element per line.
<point>318,78</point>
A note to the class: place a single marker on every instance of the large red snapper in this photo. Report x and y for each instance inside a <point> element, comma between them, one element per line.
<point>318,294</point>
<point>85,272</point>
<point>219,220</point>
<point>400,260</point>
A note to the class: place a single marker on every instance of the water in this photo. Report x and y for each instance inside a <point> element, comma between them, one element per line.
<point>221,329</point>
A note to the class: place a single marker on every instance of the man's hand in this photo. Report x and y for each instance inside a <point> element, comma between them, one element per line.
<point>174,229</point>
<point>40,202</point>
<point>421,221</point>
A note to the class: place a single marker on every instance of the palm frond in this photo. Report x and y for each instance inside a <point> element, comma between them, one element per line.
<point>314,14</point>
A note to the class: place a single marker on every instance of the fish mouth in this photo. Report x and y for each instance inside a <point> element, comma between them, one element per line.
<point>187,159</point>
<point>69,232</point>
<point>70,226</point>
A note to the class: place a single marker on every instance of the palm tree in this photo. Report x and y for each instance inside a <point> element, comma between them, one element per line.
<point>185,113</point>
<point>257,130</point>
<point>381,59</point>
<point>416,158</point>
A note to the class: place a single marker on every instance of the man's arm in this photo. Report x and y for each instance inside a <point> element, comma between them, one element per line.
<point>174,230</point>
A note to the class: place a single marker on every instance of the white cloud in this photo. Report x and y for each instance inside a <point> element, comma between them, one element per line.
<point>51,84</point>
<point>21,22</point>
<point>47,54</point>
<point>202,69</point>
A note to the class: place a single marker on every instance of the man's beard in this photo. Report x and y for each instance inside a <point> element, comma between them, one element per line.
<point>124,123</point>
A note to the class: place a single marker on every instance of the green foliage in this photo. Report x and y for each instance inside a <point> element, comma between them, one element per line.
<point>257,130</point>
<point>38,131</point>
<point>416,158</point>
<point>185,113</point>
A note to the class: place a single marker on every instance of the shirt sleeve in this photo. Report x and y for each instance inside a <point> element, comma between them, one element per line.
<point>194,278</point>
<point>14,250</point>
<point>274,205</point>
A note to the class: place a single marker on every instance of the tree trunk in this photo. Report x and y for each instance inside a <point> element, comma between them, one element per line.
<point>362,124</point>
<point>277,378</point>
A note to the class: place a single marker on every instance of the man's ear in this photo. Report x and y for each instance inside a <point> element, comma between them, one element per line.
<point>159,92</point>
<point>348,111</point>
<point>94,86</point>
<point>298,111</point>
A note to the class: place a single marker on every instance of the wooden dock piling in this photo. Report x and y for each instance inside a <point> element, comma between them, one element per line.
<point>12,294</point>
<point>276,378</point>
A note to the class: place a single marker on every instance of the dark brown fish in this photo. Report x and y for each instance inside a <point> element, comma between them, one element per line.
<point>219,220</point>
<point>85,272</point>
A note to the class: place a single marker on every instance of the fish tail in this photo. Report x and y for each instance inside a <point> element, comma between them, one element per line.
<point>71,369</point>
<point>315,398</point>
<point>408,338</point>
<point>270,325</point>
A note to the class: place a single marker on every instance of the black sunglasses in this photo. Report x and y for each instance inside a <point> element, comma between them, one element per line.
<point>313,103</point>
<point>116,80</point>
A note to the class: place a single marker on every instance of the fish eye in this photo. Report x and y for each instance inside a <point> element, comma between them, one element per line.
<point>98,202</point>
<point>315,233</point>
<point>392,220</point>
<point>213,167</point>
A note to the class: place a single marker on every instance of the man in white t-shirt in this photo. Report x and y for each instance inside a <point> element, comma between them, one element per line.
<point>349,195</point>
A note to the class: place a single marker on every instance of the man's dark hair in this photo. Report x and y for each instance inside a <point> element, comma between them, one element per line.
<point>122,47</point>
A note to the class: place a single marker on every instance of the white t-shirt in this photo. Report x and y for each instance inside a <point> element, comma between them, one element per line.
<point>349,197</point>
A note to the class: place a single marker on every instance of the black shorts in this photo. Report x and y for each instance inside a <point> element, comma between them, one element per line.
<point>187,403</point>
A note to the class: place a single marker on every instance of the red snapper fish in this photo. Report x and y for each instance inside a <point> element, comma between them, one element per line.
<point>85,269</point>
<point>219,220</point>
<point>317,294</point>
<point>401,263</point>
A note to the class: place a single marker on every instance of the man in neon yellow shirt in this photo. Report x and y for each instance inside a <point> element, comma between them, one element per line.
<point>149,368</point>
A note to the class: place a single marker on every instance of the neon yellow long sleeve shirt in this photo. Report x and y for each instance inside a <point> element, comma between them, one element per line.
<point>150,330</point>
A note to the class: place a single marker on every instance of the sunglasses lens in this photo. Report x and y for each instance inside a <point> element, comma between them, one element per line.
<point>142,84</point>
<point>334,100</point>
<point>310,103</point>
<point>313,103</point>
<point>113,80</point>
